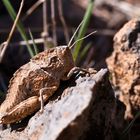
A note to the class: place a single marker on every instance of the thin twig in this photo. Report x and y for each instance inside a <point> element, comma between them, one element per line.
<point>108,32</point>
<point>53,22</point>
<point>23,43</point>
<point>41,41</point>
<point>45,26</point>
<point>32,9</point>
<point>60,11</point>
<point>6,43</point>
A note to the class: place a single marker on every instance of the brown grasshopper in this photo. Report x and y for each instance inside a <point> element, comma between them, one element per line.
<point>33,83</point>
<point>38,78</point>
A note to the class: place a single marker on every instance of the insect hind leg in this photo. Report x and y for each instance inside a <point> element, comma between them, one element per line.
<point>21,110</point>
<point>45,93</point>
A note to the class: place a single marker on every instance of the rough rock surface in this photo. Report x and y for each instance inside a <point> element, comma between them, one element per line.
<point>124,65</point>
<point>85,110</point>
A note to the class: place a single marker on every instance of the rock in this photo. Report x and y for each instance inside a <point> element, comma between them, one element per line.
<point>124,65</point>
<point>85,110</point>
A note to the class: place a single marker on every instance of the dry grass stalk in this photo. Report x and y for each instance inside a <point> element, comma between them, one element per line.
<point>60,11</point>
<point>53,22</point>
<point>5,44</point>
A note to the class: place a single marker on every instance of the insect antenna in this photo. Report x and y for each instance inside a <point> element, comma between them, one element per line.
<point>82,38</point>
<point>69,44</point>
<point>75,33</point>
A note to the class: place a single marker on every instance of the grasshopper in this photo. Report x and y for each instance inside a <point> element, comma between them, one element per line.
<point>33,83</point>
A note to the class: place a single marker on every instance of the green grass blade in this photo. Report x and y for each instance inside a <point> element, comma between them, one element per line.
<point>20,27</point>
<point>85,50</point>
<point>34,45</point>
<point>83,28</point>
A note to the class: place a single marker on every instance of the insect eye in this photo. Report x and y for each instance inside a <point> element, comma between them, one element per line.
<point>53,59</point>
